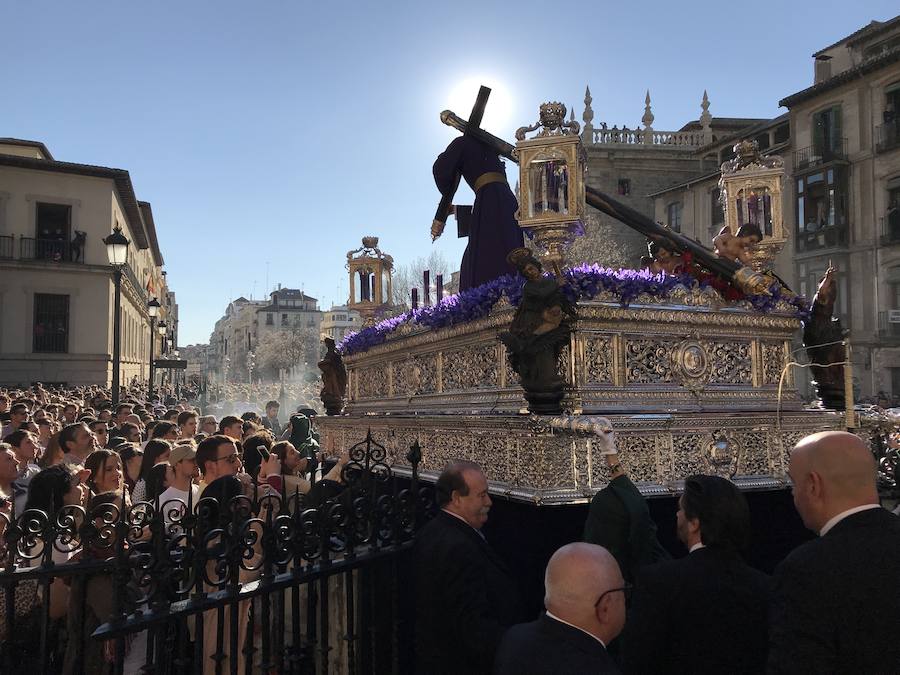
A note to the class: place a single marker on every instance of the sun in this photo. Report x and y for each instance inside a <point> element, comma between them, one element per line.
<point>499,108</point>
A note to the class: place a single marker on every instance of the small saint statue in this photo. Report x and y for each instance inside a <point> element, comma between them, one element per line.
<point>538,332</point>
<point>738,247</point>
<point>334,379</point>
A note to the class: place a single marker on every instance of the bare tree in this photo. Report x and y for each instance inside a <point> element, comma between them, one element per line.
<point>605,243</point>
<point>409,276</point>
<point>286,349</point>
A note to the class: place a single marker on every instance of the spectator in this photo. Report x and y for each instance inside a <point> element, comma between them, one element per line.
<point>705,613</point>
<point>101,433</point>
<point>106,471</point>
<point>123,411</point>
<point>53,453</point>
<point>270,421</point>
<point>835,604</point>
<point>465,598</point>
<point>231,426</point>
<point>208,425</point>
<point>131,433</point>
<point>132,457</point>
<point>70,411</point>
<point>187,424</point>
<point>167,431</point>
<point>45,431</point>
<point>156,451</point>
<point>161,476</point>
<point>9,471</point>
<point>183,460</point>
<point>585,603</point>
<point>26,451</point>
<point>216,457</point>
<point>18,414</point>
<point>77,442</point>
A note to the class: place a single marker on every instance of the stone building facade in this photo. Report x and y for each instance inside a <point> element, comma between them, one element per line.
<point>338,321</point>
<point>841,201</point>
<point>56,284</point>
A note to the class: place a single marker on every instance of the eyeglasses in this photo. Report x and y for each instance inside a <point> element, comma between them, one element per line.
<point>232,458</point>
<point>626,589</point>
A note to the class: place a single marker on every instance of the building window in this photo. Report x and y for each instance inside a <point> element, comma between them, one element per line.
<point>52,231</point>
<point>270,319</point>
<point>718,213</point>
<point>51,323</point>
<point>673,216</point>
<point>822,209</point>
<point>827,138</point>
<point>782,134</point>
<point>284,319</point>
<point>892,217</point>
<point>624,187</point>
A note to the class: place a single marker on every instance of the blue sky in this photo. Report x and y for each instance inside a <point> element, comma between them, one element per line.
<point>282,132</point>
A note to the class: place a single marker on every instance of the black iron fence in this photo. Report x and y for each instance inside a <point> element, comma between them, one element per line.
<point>269,582</point>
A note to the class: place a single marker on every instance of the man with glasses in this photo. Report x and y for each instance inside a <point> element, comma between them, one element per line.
<point>585,597</point>
<point>217,456</point>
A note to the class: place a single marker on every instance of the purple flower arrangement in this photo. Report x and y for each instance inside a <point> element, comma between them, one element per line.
<point>584,282</point>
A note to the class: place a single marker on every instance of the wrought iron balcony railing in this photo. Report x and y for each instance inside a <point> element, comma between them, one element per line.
<point>53,250</point>
<point>820,153</point>
<point>6,246</point>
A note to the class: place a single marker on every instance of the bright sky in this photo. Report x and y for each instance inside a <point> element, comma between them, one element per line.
<point>275,134</point>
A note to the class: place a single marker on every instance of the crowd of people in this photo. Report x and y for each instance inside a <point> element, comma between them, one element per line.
<point>617,603</point>
<point>62,448</point>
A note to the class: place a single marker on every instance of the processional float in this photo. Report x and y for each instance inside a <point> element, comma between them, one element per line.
<point>691,382</point>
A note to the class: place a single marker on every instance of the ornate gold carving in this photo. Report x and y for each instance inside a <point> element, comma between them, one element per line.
<point>598,360</point>
<point>646,361</point>
<point>373,382</point>
<point>773,361</point>
<point>472,368</point>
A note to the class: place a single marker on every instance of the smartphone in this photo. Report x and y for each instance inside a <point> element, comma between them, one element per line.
<point>263,452</point>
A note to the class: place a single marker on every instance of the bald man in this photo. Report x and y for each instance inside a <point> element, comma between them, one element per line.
<point>836,605</point>
<point>585,602</point>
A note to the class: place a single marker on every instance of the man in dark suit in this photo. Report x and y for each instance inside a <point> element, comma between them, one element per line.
<point>835,604</point>
<point>705,613</point>
<point>585,601</point>
<point>465,597</point>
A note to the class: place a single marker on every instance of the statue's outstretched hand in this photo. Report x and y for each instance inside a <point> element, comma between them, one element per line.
<point>437,229</point>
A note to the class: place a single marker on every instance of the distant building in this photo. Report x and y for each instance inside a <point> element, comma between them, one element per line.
<point>247,322</point>
<point>338,321</point>
<point>56,284</point>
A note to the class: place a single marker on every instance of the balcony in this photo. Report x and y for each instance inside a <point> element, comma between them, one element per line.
<point>6,246</point>
<point>887,136</point>
<point>52,250</point>
<point>828,237</point>
<point>889,325</point>
<point>816,155</point>
<point>890,229</point>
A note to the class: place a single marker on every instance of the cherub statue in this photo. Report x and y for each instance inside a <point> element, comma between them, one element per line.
<point>661,259</point>
<point>738,247</point>
<point>538,332</point>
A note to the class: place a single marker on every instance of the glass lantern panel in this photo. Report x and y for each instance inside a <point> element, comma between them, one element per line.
<point>548,187</point>
<point>759,210</point>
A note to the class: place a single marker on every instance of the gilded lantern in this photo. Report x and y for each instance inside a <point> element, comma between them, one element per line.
<point>750,191</point>
<point>552,168</point>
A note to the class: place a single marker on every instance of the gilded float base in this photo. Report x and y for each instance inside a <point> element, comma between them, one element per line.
<point>528,461</point>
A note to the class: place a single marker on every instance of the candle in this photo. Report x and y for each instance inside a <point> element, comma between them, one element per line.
<point>426,287</point>
<point>415,298</point>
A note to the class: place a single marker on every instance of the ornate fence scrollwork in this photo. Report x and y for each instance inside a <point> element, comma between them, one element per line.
<point>300,568</point>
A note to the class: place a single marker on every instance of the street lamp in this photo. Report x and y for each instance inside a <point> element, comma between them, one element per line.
<point>117,251</point>
<point>153,310</point>
<point>161,328</point>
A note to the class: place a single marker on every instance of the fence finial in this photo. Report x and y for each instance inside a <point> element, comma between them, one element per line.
<point>706,119</point>
<point>647,120</point>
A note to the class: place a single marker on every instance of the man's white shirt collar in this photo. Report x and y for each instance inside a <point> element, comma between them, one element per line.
<point>556,618</point>
<point>843,514</point>
<point>697,547</point>
<point>459,517</point>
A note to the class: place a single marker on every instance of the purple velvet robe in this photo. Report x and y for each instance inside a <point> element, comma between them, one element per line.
<point>493,230</point>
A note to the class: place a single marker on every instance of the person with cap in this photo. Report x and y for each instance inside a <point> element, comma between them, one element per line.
<point>183,459</point>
